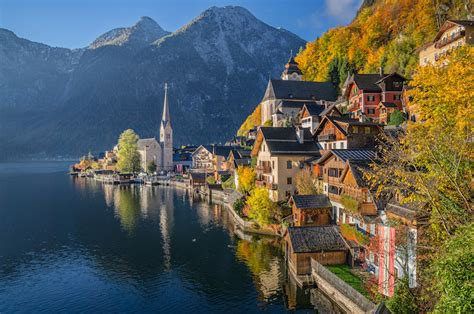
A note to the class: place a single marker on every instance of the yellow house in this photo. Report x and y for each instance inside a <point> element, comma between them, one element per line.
<point>451,35</point>
<point>281,153</point>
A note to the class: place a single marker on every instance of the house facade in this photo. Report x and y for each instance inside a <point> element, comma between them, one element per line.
<point>364,92</point>
<point>344,133</point>
<point>452,34</point>
<point>281,153</point>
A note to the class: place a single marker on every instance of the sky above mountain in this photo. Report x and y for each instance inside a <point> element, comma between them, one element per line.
<point>76,23</point>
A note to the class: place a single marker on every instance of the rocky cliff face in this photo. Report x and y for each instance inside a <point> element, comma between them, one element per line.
<point>55,101</point>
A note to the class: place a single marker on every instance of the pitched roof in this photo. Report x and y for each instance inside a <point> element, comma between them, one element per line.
<point>143,142</point>
<point>292,67</point>
<point>357,168</point>
<point>342,124</point>
<point>300,90</point>
<point>390,75</point>
<point>368,82</point>
<point>448,24</point>
<point>284,141</point>
<point>315,239</point>
<point>329,109</point>
<point>311,201</point>
<point>350,154</point>
<point>355,154</point>
<point>314,109</point>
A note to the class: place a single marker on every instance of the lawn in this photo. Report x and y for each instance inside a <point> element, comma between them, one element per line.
<point>344,272</point>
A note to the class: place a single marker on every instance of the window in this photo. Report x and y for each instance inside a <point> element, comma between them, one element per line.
<point>371,98</point>
<point>341,145</point>
<point>301,165</point>
<point>397,97</point>
<point>370,111</point>
<point>367,130</point>
<point>289,180</point>
<point>273,164</point>
<point>355,129</point>
<point>333,172</point>
<point>289,164</point>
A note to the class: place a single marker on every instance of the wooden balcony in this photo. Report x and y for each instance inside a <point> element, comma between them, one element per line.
<point>265,184</point>
<point>263,169</point>
<point>327,137</point>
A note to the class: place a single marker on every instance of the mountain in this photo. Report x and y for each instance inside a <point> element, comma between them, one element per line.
<point>384,33</point>
<point>143,33</point>
<point>66,102</point>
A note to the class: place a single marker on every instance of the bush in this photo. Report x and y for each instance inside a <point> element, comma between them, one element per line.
<point>239,206</point>
<point>350,203</point>
<point>262,209</point>
<point>396,118</point>
<point>403,300</point>
<point>229,183</point>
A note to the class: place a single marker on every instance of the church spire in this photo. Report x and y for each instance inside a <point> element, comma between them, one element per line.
<point>166,111</point>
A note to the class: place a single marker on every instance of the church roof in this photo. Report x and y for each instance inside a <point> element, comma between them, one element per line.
<point>292,67</point>
<point>300,90</point>
<point>166,119</point>
<point>143,142</point>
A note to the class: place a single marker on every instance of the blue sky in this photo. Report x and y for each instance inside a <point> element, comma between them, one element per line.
<point>76,23</point>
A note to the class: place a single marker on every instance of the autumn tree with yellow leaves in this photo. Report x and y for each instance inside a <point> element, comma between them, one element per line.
<point>431,164</point>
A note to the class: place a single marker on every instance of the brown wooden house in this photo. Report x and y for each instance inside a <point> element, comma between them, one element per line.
<point>311,210</point>
<point>344,133</point>
<point>323,243</point>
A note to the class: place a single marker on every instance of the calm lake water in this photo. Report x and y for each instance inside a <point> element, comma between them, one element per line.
<point>74,245</point>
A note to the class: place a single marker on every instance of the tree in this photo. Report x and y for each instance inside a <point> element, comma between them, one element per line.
<point>151,167</point>
<point>262,209</point>
<point>396,118</point>
<point>305,183</point>
<point>128,156</point>
<point>431,166</point>
<point>246,179</point>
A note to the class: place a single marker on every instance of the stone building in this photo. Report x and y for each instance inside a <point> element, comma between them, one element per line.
<point>160,153</point>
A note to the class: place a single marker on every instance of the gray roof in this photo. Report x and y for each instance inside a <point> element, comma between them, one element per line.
<point>292,67</point>
<point>300,90</point>
<point>401,210</point>
<point>367,82</point>
<point>357,168</point>
<point>316,239</point>
<point>146,142</point>
<point>283,140</point>
<point>311,201</point>
<point>355,154</point>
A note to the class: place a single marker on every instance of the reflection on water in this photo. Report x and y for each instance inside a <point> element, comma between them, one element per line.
<point>90,247</point>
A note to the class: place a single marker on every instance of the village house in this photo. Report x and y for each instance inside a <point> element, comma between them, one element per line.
<point>323,243</point>
<point>342,181</point>
<point>211,157</point>
<point>397,239</point>
<point>365,92</point>
<point>452,34</point>
<point>290,93</point>
<point>238,157</point>
<point>344,133</point>
<point>281,153</point>
<point>312,113</point>
<point>311,210</point>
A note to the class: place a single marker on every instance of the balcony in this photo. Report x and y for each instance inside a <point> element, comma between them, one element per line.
<point>263,169</point>
<point>327,137</point>
<point>447,40</point>
<point>265,184</point>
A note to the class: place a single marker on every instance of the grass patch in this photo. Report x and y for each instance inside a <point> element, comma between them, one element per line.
<point>344,272</point>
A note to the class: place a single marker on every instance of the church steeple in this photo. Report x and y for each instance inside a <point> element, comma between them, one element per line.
<point>165,119</point>
<point>292,72</point>
<point>166,135</point>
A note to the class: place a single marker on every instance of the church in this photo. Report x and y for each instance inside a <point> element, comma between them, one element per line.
<point>284,98</point>
<point>159,152</point>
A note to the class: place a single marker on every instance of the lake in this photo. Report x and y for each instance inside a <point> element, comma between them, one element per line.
<point>74,245</point>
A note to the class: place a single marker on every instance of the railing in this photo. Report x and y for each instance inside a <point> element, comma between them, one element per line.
<point>263,169</point>
<point>447,40</point>
<point>327,137</point>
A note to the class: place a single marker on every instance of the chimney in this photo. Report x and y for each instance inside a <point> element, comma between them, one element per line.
<point>300,135</point>
<point>381,71</point>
